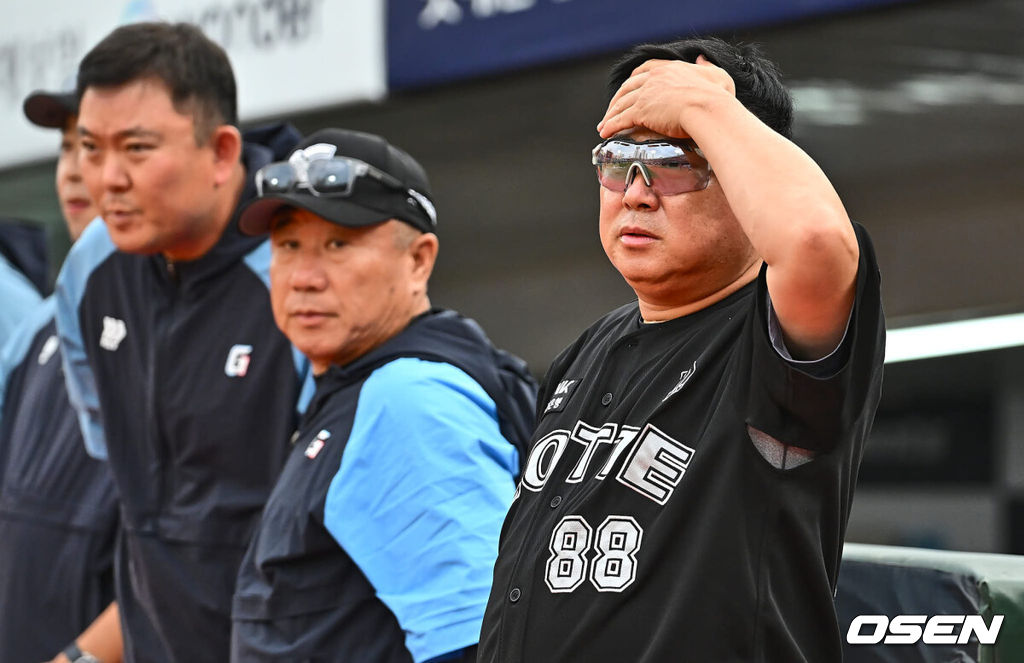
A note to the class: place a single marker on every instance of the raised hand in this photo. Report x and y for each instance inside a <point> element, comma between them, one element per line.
<point>658,93</point>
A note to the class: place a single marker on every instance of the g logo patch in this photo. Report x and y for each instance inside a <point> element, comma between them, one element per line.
<point>238,361</point>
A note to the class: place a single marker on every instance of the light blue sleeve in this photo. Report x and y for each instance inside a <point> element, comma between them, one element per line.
<point>91,249</point>
<point>258,260</point>
<point>13,351</point>
<point>17,298</point>
<point>420,497</point>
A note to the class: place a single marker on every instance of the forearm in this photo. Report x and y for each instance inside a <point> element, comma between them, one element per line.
<point>782,199</point>
<point>792,216</point>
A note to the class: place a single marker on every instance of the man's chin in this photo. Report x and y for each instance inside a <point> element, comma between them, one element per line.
<point>651,287</point>
<point>129,242</point>
<point>639,276</point>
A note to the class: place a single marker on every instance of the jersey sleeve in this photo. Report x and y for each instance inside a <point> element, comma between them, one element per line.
<point>816,405</point>
<point>418,501</point>
<point>91,249</point>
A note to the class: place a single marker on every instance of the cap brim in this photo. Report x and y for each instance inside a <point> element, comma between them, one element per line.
<point>258,215</point>
<point>50,109</point>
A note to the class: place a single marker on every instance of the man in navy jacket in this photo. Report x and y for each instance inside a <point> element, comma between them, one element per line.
<point>378,540</point>
<point>181,380</point>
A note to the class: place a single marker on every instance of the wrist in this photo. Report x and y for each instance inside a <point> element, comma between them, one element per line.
<point>73,654</point>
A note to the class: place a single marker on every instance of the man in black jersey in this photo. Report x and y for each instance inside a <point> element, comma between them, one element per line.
<point>693,467</point>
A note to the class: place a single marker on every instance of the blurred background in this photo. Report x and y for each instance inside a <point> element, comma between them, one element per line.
<point>913,108</point>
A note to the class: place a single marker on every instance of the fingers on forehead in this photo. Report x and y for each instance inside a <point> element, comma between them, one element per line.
<point>647,65</point>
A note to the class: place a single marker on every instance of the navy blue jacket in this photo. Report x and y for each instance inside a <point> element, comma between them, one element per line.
<point>23,244</point>
<point>378,541</point>
<point>184,383</point>
<point>58,508</point>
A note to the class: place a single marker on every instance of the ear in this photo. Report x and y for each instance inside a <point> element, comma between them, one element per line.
<point>226,142</point>
<point>423,252</point>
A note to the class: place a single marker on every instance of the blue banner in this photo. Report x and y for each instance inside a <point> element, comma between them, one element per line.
<point>433,41</point>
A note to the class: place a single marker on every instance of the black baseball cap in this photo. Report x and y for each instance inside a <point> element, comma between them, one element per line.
<point>369,202</point>
<point>50,109</point>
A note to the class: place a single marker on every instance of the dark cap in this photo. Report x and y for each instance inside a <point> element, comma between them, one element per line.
<point>370,201</point>
<point>50,109</point>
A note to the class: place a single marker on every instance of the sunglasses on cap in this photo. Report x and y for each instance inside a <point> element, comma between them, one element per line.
<point>669,166</point>
<point>330,177</point>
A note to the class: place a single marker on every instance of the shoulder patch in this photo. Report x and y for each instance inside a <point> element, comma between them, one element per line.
<point>317,444</point>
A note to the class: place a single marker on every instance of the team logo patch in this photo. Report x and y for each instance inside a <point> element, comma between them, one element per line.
<point>561,396</point>
<point>237,364</point>
<point>114,331</point>
<point>48,350</point>
<point>317,443</point>
<point>684,377</point>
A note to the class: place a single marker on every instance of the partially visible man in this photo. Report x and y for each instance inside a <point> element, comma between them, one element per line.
<point>694,463</point>
<point>18,296</point>
<point>378,541</point>
<point>173,361</point>
<point>58,508</point>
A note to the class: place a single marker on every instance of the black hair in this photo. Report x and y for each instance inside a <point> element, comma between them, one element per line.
<point>195,69</point>
<point>758,80</point>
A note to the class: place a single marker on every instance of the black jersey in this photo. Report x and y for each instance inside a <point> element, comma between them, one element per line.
<point>688,489</point>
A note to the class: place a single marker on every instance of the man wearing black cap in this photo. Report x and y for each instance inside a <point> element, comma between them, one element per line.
<point>378,540</point>
<point>59,110</point>
<point>181,380</point>
<point>58,509</point>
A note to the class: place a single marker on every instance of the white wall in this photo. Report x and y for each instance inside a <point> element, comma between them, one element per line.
<point>287,54</point>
